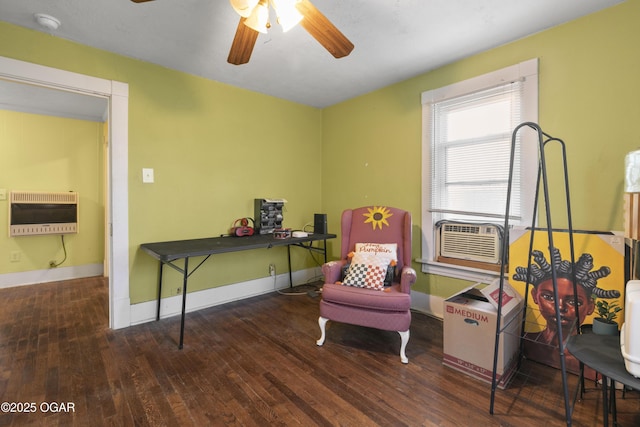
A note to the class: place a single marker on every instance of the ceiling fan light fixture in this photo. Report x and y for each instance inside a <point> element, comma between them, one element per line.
<point>243,7</point>
<point>288,15</point>
<point>313,21</point>
<point>259,18</point>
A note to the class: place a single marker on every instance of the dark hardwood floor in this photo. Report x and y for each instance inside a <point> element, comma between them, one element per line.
<point>252,363</point>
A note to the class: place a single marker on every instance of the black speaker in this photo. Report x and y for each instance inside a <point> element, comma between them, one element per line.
<point>320,223</point>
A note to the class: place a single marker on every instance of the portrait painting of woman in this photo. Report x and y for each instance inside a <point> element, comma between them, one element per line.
<point>573,308</point>
<point>597,268</point>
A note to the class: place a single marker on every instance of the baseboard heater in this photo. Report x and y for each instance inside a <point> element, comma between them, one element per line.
<point>36,213</point>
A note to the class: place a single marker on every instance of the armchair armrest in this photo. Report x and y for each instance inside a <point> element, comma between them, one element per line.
<point>407,279</point>
<point>332,270</point>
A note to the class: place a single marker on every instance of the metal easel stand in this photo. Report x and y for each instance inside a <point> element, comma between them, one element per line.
<point>542,183</point>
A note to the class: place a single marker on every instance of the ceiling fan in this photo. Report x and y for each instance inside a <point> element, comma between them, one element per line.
<point>254,18</point>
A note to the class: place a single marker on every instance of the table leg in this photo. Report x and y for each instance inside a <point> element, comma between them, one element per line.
<point>184,300</point>
<point>325,251</point>
<point>581,380</point>
<point>159,290</point>
<point>605,398</point>
<point>289,259</point>
<point>612,402</point>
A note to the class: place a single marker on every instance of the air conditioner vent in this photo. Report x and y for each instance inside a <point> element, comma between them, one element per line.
<point>475,242</point>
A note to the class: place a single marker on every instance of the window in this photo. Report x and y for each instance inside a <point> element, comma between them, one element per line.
<point>467,131</point>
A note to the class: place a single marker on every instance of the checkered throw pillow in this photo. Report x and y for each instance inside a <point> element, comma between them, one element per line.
<point>366,271</point>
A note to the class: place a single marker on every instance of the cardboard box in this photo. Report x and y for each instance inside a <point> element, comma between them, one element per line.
<point>470,331</point>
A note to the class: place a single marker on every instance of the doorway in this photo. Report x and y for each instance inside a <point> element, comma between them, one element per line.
<point>116,212</point>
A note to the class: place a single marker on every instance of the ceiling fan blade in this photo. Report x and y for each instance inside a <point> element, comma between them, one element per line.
<point>242,45</point>
<point>140,1</point>
<point>323,30</point>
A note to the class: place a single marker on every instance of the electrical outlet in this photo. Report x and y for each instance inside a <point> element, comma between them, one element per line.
<point>52,264</point>
<point>15,256</point>
<point>272,269</point>
<point>178,291</point>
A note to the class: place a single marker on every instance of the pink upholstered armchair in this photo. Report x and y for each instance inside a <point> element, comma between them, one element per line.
<point>359,301</point>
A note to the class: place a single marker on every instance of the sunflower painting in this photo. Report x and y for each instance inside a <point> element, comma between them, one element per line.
<point>378,216</point>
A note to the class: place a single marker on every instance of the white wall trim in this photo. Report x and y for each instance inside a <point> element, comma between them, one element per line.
<point>172,306</point>
<point>35,277</point>
<point>431,305</point>
<point>526,71</point>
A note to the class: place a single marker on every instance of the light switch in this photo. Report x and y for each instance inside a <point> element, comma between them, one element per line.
<point>147,175</point>
<point>3,194</point>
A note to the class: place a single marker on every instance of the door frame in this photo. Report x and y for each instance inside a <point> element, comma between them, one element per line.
<point>117,176</point>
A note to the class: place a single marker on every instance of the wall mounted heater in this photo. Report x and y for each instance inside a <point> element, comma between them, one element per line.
<point>36,213</point>
<point>468,241</point>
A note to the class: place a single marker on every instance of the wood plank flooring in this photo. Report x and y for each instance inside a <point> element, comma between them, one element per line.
<point>250,363</point>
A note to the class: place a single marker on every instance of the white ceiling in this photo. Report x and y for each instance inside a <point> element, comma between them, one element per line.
<point>394,39</point>
<point>33,99</point>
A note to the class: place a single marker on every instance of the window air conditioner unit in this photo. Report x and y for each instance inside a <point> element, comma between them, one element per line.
<point>469,241</point>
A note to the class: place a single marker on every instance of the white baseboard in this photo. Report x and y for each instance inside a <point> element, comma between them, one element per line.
<point>172,306</point>
<point>120,312</point>
<point>428,304</point>
<point>9,280</point>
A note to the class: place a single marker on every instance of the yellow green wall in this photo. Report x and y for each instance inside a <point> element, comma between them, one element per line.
<point>44,153</point>
<point>214,148</point>
<point>588,97</point>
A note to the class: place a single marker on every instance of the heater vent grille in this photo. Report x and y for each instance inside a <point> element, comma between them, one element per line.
<point>40,197</point>
<point>40,229</point>
<point>36,213</point>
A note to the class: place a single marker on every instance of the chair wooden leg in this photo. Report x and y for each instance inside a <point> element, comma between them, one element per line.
<point>322,322</point>
<point>404,336</point>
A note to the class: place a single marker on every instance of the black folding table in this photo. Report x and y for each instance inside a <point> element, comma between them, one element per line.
<point>602,354</point>
<point>170,252</point>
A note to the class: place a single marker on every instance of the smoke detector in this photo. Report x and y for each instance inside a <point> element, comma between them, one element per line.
<point>47,22</point>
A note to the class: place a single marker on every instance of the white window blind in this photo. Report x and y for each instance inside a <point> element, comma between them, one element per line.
<point>471,148</point>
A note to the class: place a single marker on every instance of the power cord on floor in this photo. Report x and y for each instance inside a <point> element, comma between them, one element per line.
<point>315,283</point>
